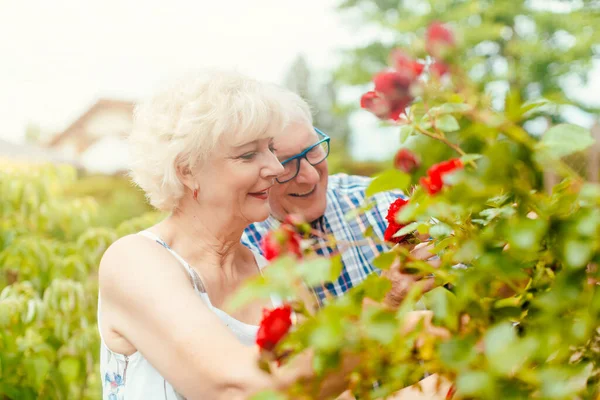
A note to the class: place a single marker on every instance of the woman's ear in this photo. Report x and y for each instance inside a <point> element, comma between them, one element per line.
<point>186,176</point>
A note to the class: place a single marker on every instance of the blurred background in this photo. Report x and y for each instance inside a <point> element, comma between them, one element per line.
<point>71,72</point>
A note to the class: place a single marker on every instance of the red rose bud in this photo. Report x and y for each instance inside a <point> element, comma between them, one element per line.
<point>405,160</point>
<point>406,65</point>
<point>434,182</point>
<point>270,246</point>
<point>298,223</point>
<point>274,326</point>
<point>439,40</point>
<point>439,69</point>
<point>393,86</point>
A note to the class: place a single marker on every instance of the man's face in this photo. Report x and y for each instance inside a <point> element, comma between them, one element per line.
<point>306,194</point>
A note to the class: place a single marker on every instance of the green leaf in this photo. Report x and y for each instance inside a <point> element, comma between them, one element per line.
<point>564,139</point>
<point>336,267</point>
<point>384,261</point>
<point>380,325</point>
<point>467,158</point>
<point>478,384</point>
<point>375,287</point>
<point>560,382</point>
<point>447,123</point>
<point>410,228</point>
<point>315,271</point>
<point>443,304</point>
<point>405,132</point>
<point>37,368</point>
<point>440,230</point>
<point>526,233</point>
<point>532,105</point>
<point>326,336</point>
<point>505,352</point>
<point>578,252</point>
<point>388,180</point>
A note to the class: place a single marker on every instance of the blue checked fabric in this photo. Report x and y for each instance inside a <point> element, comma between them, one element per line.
<point>345,193</point>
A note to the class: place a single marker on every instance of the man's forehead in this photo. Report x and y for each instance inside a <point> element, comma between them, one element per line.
<point>295,141</point>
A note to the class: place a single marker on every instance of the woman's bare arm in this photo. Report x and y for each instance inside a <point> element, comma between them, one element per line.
<point>150,300</point>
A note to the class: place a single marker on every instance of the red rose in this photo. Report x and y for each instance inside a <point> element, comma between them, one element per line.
<point>439,69</point>
<point>406,65</point>
<point>274,326</point>
<point>434,181</point>
<point>394,226</point>
<point>281,241</point>
<point>382,107</point>
<point>405,160</point>
<point>439,40</point>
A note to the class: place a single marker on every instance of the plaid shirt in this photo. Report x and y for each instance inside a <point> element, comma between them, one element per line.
<point>345,193</point>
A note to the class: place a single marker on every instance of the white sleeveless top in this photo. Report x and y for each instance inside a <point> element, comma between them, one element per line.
<point>132,377</point>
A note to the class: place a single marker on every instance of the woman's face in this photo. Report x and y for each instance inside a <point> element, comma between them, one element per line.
<point>237,179</point>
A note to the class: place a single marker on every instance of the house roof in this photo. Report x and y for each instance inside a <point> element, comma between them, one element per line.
<point>100,105</point>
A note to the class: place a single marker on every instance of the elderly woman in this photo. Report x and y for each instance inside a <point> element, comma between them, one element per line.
<point>203,151</point>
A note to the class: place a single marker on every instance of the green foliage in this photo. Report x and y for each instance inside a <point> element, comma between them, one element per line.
<point>51,241</point>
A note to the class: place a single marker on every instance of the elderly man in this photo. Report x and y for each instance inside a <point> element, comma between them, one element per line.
<point>306,188</point>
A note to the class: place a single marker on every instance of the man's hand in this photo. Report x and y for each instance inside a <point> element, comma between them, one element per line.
<point>402,282</point>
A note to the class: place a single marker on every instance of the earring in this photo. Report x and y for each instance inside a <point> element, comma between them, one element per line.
<point>195,195</point>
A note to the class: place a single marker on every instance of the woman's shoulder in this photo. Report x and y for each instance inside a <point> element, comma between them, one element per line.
<point>133,257</point>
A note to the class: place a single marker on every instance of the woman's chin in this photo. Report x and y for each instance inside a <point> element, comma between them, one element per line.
<point>259,214</point>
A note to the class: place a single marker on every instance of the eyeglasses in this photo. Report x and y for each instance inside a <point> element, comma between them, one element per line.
<point>315,154</point>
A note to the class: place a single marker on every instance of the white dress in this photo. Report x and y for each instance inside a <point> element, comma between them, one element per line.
<point>132,377</point>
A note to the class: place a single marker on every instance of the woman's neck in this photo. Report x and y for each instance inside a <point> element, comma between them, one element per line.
<point>198,237</point>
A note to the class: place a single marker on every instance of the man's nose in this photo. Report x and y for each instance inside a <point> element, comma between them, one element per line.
<point>307,173</point>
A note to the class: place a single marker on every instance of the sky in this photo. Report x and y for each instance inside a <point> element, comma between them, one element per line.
<point>58,57</point>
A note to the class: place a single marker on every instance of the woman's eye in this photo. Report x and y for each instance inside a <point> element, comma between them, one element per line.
<point>248,156</point>
<point>272,149</point>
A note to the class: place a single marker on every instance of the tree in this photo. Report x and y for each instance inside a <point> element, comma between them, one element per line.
<point>529,46</point>
<point>328,114</point>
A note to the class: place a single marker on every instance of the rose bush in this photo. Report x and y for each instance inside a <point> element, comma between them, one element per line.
<point>517,289</point>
